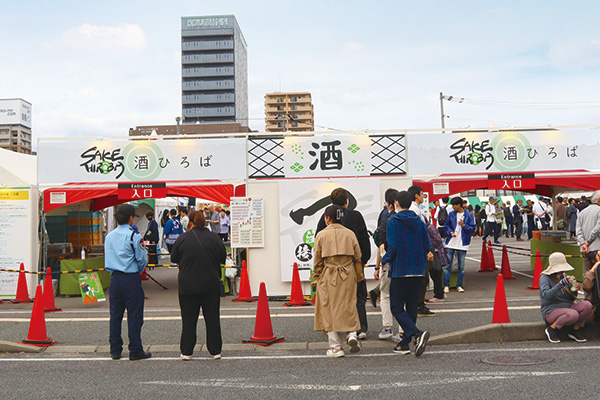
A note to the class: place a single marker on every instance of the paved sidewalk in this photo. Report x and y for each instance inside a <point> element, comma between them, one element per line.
<point>461,318</point>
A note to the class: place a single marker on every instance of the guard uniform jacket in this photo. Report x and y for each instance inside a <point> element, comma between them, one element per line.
<point>125,251</point>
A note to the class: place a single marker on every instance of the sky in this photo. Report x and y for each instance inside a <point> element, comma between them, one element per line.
<point>98,68</point>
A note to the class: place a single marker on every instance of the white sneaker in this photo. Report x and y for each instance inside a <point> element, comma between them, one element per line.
<point>386,334</point>
<point>216,356</point>
<point>185,358</point>
<point>362,336</point>
<point>335,353</point>
<point>459,289</point>
<point>446,289</point>
<point>354,344</point>
<point>398,337</point>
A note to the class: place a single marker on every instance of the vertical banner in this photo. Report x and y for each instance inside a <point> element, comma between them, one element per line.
<point>247,222</point>
<point>15,236</point>
<point>302,203</point>
<point>91,288</point>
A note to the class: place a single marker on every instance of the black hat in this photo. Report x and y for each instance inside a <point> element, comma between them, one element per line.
<point>127,211</point>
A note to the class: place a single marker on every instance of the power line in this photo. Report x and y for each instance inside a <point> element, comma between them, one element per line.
<point>578,105</point>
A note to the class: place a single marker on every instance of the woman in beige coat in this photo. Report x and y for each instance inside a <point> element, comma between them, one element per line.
<point>337,268</point>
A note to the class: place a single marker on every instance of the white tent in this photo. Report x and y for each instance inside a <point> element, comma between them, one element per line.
<point>19,202</point>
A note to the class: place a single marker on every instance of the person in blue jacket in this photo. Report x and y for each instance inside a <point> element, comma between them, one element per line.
<point>125,259</point>
<point>459,228</point>
<point>408,250</point>
<point>173,229</point>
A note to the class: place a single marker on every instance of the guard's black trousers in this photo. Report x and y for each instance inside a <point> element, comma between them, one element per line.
<point>361,300</point>
<point>190,309</point>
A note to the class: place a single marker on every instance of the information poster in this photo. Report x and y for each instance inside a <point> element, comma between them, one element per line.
<point>247,222</point>
<point>91,288</point>
<point>15,239</point>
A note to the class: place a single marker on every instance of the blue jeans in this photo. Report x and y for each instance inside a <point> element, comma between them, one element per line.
<point>126,292</point>
<point>461,254</point>
<point>404,298</point>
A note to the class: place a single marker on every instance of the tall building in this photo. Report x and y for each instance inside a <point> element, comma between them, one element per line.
<point>15,125</point>
<point>289,112</point>
<point>214,70</point>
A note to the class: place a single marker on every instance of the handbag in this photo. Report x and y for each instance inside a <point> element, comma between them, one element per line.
<point>221,284</point>
<point>435,264</point>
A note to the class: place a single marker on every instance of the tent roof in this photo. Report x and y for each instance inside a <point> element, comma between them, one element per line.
<point>547,183</point>
<point>22,168</point>
<point>106,195</point>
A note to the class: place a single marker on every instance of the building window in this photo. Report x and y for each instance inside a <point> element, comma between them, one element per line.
<point>294,115</point>
<point>279,100</point>
<point>294,99</point>
<point>295,124</point>
<point>294,108</point>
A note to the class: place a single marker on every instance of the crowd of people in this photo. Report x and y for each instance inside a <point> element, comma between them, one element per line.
<point>411,249</point>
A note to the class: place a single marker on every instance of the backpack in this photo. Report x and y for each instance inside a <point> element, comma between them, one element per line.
<point>442,215</point>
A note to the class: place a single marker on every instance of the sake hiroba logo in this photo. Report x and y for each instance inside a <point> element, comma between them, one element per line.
<point>143,161</point>
<point>510,151</point>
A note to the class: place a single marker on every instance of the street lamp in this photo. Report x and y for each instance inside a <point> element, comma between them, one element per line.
<point>177,119</point>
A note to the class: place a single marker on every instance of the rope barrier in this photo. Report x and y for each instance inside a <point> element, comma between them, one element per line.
<point>78,271</point>
<point>499,247</point>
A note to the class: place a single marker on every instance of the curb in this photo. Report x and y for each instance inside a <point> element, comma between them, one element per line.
<point>491,333</point>
<point>511,332</point>
<point>11,347</point>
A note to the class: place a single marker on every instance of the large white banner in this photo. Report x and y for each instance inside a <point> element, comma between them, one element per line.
<point>302,203</point>
<point>326,156</point>
<point>430,154</point>
<point>141,160</point>
<point>16,244</point>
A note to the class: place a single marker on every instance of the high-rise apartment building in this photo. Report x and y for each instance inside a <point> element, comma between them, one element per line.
<point>214,70</point>
<point>289,112</point>
<point>15,125</point>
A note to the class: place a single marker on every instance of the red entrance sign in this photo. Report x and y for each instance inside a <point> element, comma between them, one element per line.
<point>135,191</point>
<point>511,181</point>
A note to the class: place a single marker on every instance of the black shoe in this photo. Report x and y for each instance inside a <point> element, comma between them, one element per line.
<point>425,312</point>
<point>552,335</point>
<point>115,356</point>
<point>576,335</point>
<point>420,339</point>
<point>401,348</point>
<point>373,298</point>
<point>141,356</point>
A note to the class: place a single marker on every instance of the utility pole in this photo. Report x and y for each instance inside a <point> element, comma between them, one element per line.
<point>442,110</point>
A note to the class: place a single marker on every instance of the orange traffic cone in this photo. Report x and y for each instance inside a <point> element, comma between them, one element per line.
<point>245,294</point>
<point>297,297</point>
<point>144,275</point>
<point>491,261</point>
<point>537,272</point>
<point>500,305</point>
<point>484,264</point>
<point>505,269</point>
<point>263,329</point>
<point>22,292</point>
<point>37,326</point>
<point>48,295</point>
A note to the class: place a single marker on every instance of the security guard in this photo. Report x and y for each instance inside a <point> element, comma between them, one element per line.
<point>125,258</point>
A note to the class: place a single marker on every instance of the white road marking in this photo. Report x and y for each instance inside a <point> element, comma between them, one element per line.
<point>499,267</point>
<point>251,316</point>
<point>247,384</point>
<point>495,351</point>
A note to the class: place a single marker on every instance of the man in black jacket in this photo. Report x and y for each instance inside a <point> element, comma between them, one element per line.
<point>151,236</point>
<point>354,221</point>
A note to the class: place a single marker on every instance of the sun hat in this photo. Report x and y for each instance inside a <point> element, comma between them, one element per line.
<point>557,263</point>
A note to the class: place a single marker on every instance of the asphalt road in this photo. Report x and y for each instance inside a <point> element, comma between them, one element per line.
<point>449,372</point>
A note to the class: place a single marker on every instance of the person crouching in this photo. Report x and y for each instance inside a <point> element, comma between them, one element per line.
<point>559,303</point>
